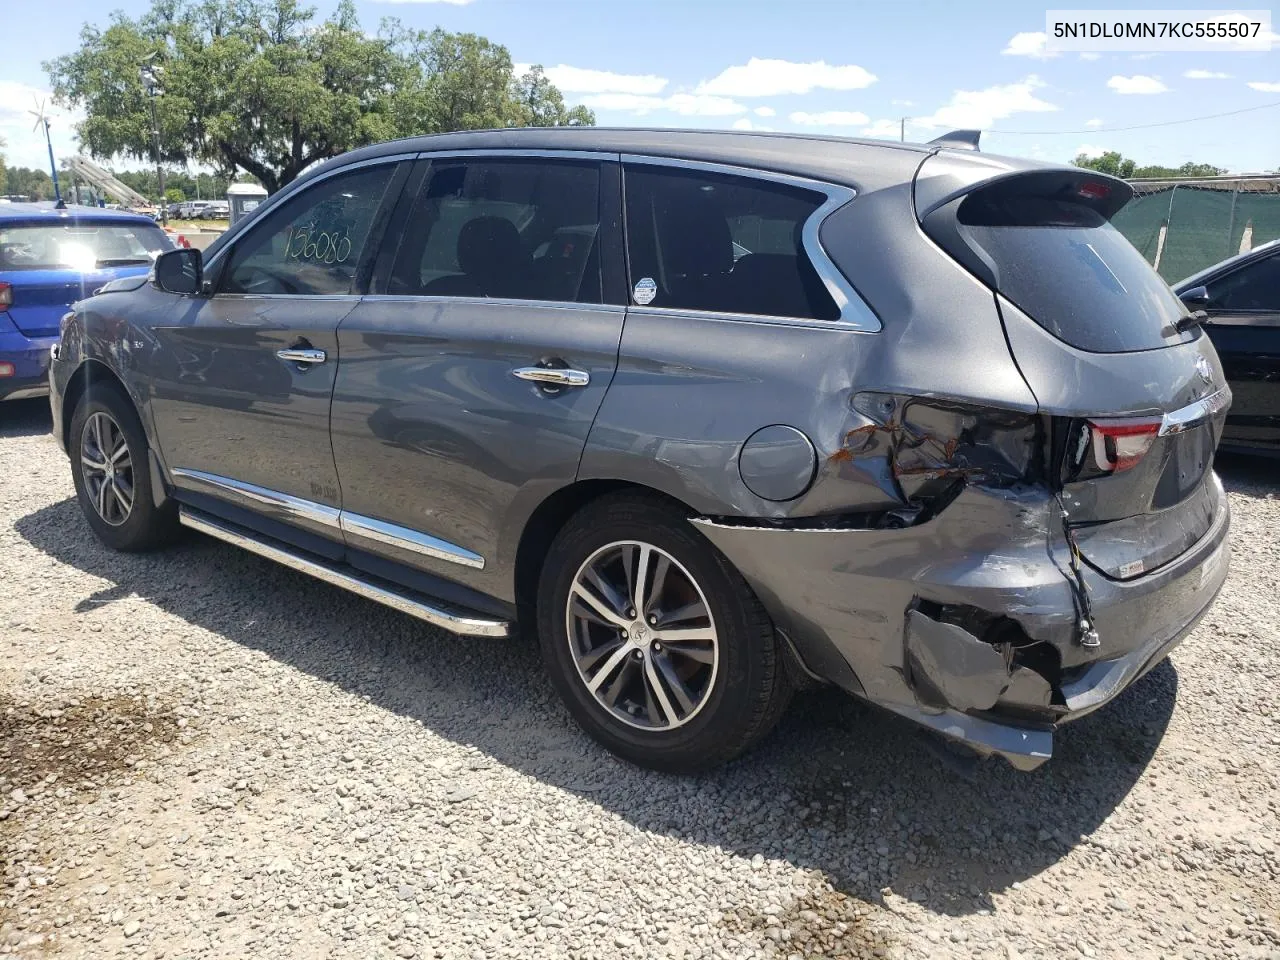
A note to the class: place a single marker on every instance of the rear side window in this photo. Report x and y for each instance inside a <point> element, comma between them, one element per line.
<point>721,243</point>
<point>81,246</point>
<point>1072,272</point>
<point>314,243</point>
<point>509,229</point>
<point>1252,288</point>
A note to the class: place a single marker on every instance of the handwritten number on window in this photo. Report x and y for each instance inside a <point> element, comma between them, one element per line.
<point>304,243</point>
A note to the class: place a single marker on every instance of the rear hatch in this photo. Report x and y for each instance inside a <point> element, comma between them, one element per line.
<point>49,263</point>
<point>1133,405</point>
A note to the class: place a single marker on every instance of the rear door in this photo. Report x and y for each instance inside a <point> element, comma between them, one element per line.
<point>471,376</point>
<point>1134,405</point>
<point>1244,325</point>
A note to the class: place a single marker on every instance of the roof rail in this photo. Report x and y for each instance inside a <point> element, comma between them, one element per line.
<point>961,139</point>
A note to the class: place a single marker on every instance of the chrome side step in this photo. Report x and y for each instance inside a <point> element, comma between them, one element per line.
<point>438,614</point>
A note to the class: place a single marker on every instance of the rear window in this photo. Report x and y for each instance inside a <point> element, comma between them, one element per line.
<point>1067,268</point>
<point>83,246</point>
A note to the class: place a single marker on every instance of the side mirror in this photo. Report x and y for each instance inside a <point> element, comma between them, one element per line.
<point>1195,297</point>
<point>180,271</point>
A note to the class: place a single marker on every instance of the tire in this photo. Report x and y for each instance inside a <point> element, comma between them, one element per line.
<point>105,412</point>
<point>732,680</point>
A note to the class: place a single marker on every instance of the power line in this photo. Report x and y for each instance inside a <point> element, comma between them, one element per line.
<point>1137,126</point>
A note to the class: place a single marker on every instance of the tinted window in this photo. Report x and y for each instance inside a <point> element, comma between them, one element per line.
<point>1255,287</point>
<point>313,244</point>
<point>705,241</point>
<point>1073,273</point>
<point>79,246</point>
<point>516,229</point>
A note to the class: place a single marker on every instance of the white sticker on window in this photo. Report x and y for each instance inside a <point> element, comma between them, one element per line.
<point>645,290</point>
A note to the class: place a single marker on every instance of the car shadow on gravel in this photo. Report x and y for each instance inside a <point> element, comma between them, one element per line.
<point>25,418</point>
<point>1251,475</point>
<point>839,788</point>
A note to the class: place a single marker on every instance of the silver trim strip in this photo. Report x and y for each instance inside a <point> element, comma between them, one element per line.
<point>294,508</point>
<point>439,616</point>
<point>302,355</point>
<point>553,375</point>
<point>518,154</point>
<point>352,524</point>
<point>855,313</point>
<point>404,538</point>
<point>1195,413</point>
<point>497,302</point>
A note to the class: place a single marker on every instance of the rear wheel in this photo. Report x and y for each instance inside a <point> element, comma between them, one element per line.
<point>657,645</point>
<point>111,474</point>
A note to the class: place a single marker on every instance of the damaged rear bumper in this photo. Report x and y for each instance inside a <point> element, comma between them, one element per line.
<point>968,624</point>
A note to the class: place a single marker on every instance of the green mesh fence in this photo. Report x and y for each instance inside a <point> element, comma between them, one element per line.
<point>1182,226</point>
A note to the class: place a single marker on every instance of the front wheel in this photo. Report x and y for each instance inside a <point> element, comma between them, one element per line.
<point>657,645</point>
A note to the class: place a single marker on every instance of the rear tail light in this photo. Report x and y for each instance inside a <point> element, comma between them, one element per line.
<point>6,369</point>
<point>6,296</point>
<point>1119,445</point>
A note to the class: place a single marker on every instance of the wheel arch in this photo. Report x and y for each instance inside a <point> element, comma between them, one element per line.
<point>92,371</point>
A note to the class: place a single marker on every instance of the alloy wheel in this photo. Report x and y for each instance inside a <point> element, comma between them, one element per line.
<point>106,464</point>
<point>642,635</point>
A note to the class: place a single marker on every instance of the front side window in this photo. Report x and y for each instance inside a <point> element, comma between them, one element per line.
<point>1252,288</point>
<point>513,229</point>
<point>723,243</point>
<point>83,246</point>
<point>314,244</point>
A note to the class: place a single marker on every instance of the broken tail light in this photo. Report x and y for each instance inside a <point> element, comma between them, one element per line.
<point>1119,445</point>
<point>6,296</point>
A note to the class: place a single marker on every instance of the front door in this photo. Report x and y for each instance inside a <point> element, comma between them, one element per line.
<point>244,377</point>
<point>468,384</point>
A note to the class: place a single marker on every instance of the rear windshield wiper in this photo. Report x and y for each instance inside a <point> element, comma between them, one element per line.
<point>123,261</point>
<point>1193,319</point>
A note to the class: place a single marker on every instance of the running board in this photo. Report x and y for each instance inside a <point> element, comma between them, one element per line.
<point>437,614</point>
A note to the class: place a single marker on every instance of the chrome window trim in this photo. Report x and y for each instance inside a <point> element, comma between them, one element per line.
<point>855,313</point>
<point>293,507</point>
<point>497,302</point>
<point>282,197</point>
<point>348,523</point>
<point>404,538</point>
<point>519,154</point>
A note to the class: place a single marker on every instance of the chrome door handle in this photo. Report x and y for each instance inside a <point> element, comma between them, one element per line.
<point>553,376</point>
<point>302,355</point>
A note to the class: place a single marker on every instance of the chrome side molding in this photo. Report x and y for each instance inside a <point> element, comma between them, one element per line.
<point>353,524</point>
<point>435,613</point>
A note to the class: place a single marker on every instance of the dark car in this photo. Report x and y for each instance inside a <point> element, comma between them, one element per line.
<point>1241,297</point>
<point>49,258</point>
<point>711,414</point>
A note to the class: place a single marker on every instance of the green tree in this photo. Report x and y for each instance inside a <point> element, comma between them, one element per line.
<point>4,176</point>
<point>1118,166</point>
<point>1110,162</point>
<point>25,181</point>
<point>174,195</point>
<point>259,87</point>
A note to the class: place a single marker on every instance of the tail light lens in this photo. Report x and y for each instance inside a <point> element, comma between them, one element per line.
<point>6,296</point>
<point>1119,445</point>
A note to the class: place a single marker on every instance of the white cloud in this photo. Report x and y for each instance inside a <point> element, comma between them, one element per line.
<point>452,3</point>
<point>979,109</point>
<point>764,111</point>
<point>1094,122</point>
<point>1089,150</point>
<point>1028,45</point>
<point>578,80</point>
<point>685,104</point>
<point>883,128</point>
<point>1137,84</point>
<point>1090,55</point>
<point>743,123</point>
<point>902,103</point>
<point>830,118</point>
<point>26,147</point>
<point>1265,86</point>
<point>771,78</point>
<point>1206,75</point>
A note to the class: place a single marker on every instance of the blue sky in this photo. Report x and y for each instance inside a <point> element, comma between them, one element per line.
<point>846,68</point>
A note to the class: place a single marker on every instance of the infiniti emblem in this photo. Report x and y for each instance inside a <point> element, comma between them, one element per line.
<point>1203,368</point>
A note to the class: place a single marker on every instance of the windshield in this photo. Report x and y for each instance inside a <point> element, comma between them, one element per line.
<point>81,246</point>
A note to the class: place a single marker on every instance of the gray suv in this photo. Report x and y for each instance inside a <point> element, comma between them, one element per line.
<point>712,414</point>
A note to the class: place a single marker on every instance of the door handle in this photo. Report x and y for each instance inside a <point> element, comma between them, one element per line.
<point>553,376</point>
<point>302,355</point>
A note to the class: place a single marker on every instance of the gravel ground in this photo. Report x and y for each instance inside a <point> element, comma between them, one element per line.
<point>205,755</point>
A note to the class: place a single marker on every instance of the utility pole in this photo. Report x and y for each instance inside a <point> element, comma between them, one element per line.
<point>149,74</point>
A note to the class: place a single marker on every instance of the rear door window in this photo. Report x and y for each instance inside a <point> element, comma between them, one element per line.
<point>1251,289</point>
<point>522,229</point>
<point>1073,273</point>
<point>699,240</point>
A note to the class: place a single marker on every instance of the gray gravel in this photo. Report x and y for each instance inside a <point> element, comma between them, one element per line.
<point>205,755</point>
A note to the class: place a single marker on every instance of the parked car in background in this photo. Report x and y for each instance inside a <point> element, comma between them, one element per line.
<point>191,209</point>
<point>216,210</point>
<point>707,412</point>
<point>50,258</point>
<point>1241,297</point>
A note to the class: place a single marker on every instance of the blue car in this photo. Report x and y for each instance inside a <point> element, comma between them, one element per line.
<point>49,259</point>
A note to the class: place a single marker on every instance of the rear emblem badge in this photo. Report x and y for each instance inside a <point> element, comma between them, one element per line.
<point>1203,368</point>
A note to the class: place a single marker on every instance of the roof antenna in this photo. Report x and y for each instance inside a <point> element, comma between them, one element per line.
<point>960,139</point>
<point>42,118</point>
